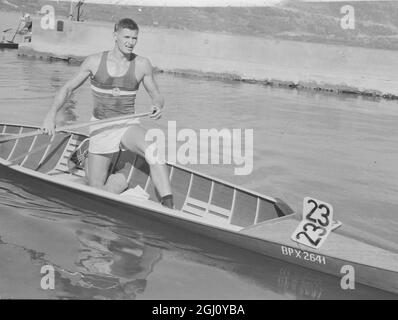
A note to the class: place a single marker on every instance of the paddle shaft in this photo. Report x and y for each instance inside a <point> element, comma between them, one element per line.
<point>16,31</point>
<point>76,126</point>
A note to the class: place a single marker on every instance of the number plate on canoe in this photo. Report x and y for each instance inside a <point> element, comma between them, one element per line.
<point>316,225</point>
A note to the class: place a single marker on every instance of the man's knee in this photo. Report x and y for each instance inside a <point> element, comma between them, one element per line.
<point>134,138</point>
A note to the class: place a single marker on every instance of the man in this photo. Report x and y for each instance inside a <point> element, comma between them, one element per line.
<point>27,27</point>
<point>115,78</point>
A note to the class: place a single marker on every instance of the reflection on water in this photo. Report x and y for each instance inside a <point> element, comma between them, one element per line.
<point>68,113</point>
<point>304,287</point>
<point>127,261</point>
<point>109,266</point>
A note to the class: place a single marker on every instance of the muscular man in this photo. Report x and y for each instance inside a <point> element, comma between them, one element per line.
<point>115,78</point>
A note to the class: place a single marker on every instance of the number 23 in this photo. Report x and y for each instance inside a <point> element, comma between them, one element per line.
<point>314,228</point>
<point>324,215</point>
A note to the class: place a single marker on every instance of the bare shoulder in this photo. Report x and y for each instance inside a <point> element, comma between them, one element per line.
<point>91,63</point>
<point>144,64</point>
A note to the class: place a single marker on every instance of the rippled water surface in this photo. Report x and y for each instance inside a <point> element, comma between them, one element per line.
<point>340,149</point>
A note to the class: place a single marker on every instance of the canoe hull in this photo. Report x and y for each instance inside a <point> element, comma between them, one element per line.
<point>8,45</point>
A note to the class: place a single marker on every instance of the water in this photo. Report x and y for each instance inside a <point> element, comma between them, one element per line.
<point>336,148</point>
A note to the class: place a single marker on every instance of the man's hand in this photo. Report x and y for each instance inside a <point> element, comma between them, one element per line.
<point>151,87</point>
<point>48,126</point>
<point>156,113</point>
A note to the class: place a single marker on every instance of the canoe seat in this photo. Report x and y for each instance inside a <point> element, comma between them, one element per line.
<point>201,208</point>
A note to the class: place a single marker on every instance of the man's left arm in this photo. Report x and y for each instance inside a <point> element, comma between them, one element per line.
<point>153,90</point>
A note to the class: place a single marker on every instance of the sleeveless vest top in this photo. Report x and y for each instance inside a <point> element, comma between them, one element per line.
<point>113,96</point>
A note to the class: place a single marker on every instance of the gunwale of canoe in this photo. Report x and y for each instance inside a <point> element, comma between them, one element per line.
<point>266,230</point>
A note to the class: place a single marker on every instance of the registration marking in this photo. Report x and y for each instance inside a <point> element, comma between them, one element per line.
<point>303,255</point>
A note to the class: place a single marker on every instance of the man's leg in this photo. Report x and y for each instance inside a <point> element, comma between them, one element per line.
<point>97,172</point>
<point>134,140</point>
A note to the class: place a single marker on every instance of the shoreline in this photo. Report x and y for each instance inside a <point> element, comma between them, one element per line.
<point>300,85</point>
<point>280,63</point>
<point>269,61</point>
<point>300,65</point>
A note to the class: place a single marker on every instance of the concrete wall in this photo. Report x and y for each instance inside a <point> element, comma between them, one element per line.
<point>287,62</point>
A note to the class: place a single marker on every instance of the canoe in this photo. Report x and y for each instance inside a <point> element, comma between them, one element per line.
<point>8,45</point>
<point>204,205</point>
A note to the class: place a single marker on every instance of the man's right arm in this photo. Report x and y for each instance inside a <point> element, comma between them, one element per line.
<point>62,95</point>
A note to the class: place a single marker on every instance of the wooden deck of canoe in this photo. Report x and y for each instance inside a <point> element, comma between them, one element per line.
<point>204,205</point>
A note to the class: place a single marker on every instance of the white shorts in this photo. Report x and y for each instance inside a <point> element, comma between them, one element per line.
<point>106,137</point>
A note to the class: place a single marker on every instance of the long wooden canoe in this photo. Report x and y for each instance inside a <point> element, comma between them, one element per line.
<point>205,205</point>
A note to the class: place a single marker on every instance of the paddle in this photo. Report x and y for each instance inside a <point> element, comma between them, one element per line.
<point>8,137</point>
<point>16,31</point>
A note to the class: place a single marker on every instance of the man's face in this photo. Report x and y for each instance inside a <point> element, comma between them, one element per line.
<point>126,40</point>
